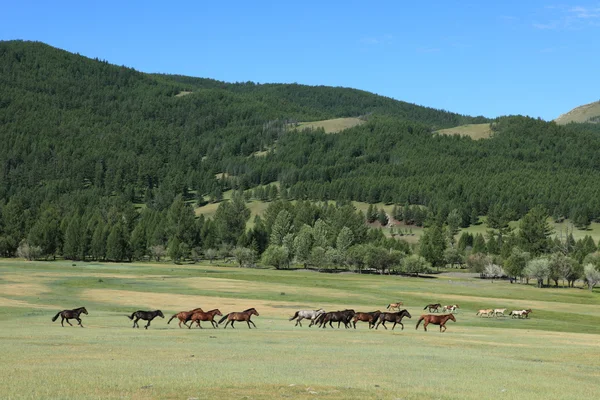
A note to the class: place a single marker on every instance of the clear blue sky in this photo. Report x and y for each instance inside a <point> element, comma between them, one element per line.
<point>537,58</point>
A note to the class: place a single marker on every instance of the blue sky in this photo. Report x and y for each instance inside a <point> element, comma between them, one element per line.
<point>537,58</point>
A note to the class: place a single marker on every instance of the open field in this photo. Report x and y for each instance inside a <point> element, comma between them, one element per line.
<point>474,131</point>
<point>552,355</point>
<point>330,125</point>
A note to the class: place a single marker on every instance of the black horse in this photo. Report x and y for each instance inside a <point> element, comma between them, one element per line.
<point>70,314</point>
<point>395,317</point>
<point>336,316</point>
<point>145,315</point>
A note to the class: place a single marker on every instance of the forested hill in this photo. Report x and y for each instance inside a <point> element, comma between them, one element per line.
<point>84,140</point>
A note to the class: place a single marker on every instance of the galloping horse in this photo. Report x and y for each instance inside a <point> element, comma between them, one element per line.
<point>451,308</point>
<point>499,311</point>
<point>70,314</point>
<point>436,320</point>
<point>485,312</point>
<point>370,317</point>
<point>433,307</point>
<point>395,306</point>
<point>184,316</point>
<point>204,316</point>
<point>520,313</point>
<point>336,316</point>
<point>145,315</point>
<point>396,318</point>
<point>240,316</point>
<point>527,312</point>
<point>311,315</point>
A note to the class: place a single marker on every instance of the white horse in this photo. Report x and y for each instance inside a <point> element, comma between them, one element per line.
<point>499,311</point>
<point>518,313</point>
<point>312,315</point>
<point>485,312</point>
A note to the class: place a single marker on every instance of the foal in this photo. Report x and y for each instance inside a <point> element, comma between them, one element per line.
<point>70,314</point>
<point>145,315</point>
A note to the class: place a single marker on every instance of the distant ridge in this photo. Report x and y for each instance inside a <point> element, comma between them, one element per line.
<point>585,113</point>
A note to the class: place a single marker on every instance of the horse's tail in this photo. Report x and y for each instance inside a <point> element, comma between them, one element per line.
<point>388,306</point>
<point>56,316</point>
<point>174,316</point>
<point>295,315</point>
<point>224,318</point>
<point>132,314</point>
<point>426,307</point>
<point>419,322</point>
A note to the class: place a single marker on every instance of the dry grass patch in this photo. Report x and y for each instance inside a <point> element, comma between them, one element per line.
<point>474,131</point>
<point>330,125</point>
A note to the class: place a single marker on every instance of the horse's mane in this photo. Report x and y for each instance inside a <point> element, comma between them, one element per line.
<point>248,309</point>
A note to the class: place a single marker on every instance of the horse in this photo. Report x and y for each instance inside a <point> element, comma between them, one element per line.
<point>240,316</point>
<point>433,307</point>
<point>527,312</point>
<point>145,315</point>
<point>396,318</point>
<point>312,315</point>
<point>499,311</point>
<point>336,316</point>
<point>205,316</point>
<point>395,306</point>
<point>70,314</point>
<point>520,313</point>
<point>370,317</point>
<point>485,312</point>
<point>436,320</point>
<point>184,316</point>
<point>451,308</point>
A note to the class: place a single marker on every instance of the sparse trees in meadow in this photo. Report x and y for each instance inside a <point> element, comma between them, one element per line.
<point>592,275</point>
<point>538,269</point>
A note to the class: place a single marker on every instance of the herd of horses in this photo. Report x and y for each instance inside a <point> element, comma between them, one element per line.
<point>319,317</point>
<point>500,312</point>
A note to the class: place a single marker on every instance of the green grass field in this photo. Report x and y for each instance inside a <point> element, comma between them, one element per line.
<point>552,355</point>
<point>474,131</point>
<point>330,125</point>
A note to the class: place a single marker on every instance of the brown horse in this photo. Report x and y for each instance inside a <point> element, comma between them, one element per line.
<point>433,307</point>
<point>70,314</point>
<point>370,317</point>
<point>240,316</point>
<point>436,320</point>
<point>395,317</point>
<point>205,316</point>
<point>184,316</point>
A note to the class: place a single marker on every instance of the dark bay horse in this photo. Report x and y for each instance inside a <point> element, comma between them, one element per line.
<point>240,316</point>
<point>370,317</point>
<point>336,316</point>
<point>184,316</point>
<point>433,307</point>
<point>436,320</point>
<point>70,314</point>
<point>205,316</point>
<point>395,317</point>
<point>145,315</point>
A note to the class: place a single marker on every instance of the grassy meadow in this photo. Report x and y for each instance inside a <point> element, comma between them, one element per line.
<point>474,131</point>
<point>554,354</point>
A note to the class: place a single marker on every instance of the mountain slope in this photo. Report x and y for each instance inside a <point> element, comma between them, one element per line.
<point>586,113</point>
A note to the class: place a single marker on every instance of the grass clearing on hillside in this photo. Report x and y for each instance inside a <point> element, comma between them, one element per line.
<point>551,355</point>
<point>580,114</point>
<point>329,125</point>
<point>474,131</point>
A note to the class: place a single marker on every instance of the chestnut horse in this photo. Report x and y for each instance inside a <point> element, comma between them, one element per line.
<point>184,316</point>
<point>370,317</point>
<point>436,320</point>
<point>396,318</point>
<point>70,314</point>
<point>205,316</point>
<point>240,316</point>
<point>145,315</point>
<point>433,307</point>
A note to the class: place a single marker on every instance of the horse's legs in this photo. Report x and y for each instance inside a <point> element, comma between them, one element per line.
<point>199,326</point>
<point>402,325</point>
<point>62,320</point>
<point>394,325</point>
<point>180,323</point>
<point>425,323</point>
<point>148,324</point>
<point>69,322</point>
<point>232,321</point>
<point>251,322</point>
<point>383,324</point>
<point>80,324</point>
